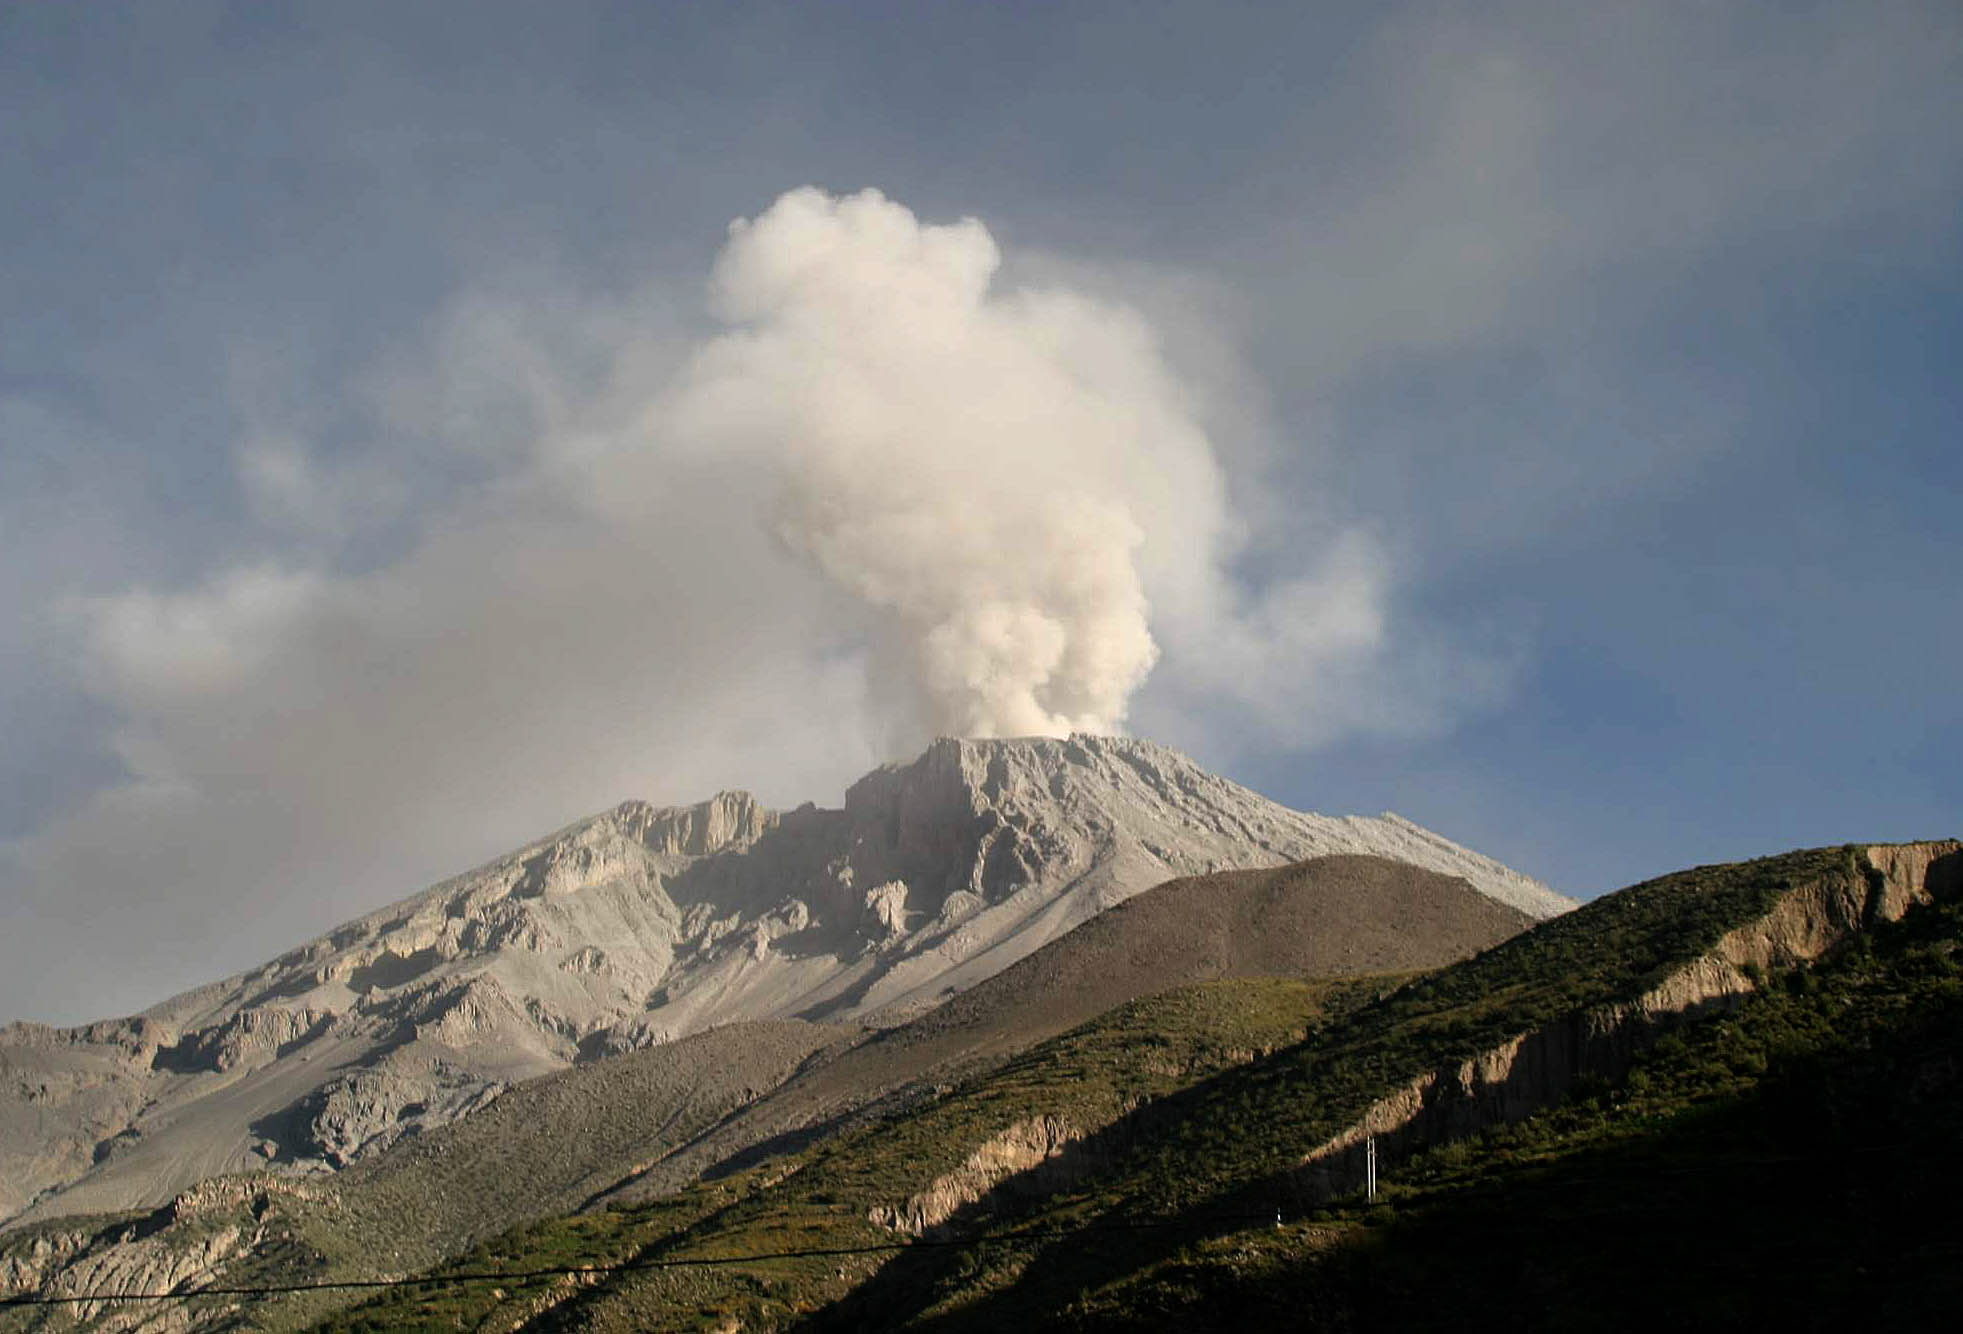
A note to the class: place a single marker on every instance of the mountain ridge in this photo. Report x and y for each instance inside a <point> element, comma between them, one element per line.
<point>1245,1188</point>
<point>639,925</point>
<point>602,1134</point>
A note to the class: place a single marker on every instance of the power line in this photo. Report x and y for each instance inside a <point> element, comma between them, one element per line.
<point>521,1277</point>
<point>516,1277</point>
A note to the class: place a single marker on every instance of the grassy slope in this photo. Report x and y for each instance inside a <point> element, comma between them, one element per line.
<point>1226,1149</point>
<point>1199,1162</point>
<point>1325,917</point>
<point>1795,1165</point>
<point>1089,1077</point>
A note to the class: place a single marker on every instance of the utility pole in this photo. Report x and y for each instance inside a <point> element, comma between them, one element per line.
<point>1370,1165</point>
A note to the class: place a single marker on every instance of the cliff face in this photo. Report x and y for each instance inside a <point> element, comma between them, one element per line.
<point>637,926</point>
<point>210,1225</point>
<point>1017,1151</point>
<point>1531,1070</point>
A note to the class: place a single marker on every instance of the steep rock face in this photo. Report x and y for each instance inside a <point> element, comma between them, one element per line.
<point>1015,1151</point>
<point>179,1247</point>
<point>637,926</point>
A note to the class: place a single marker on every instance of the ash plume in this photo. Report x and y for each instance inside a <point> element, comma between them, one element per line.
<point>889,496</point>
<point>982,469</point>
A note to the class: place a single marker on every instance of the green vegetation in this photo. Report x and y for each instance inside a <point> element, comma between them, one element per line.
<point>1771,1163</point>
<point>1190,1128</point>
<point>1088,1078</point>
<point>1791,1165</point>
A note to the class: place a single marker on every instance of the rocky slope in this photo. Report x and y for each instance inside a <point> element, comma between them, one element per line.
<point>640,1125</point>
<point>544,1147</point>
<point>1328,917</point>
<point>1084,1212</point>
<point>638,926</point>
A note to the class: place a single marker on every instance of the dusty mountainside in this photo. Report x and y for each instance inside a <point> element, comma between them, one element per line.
<point>541,1148</point>
<point>1220,1204</point>
<point>1327,917</point>
<point>1175,1162</point>
<point>1189,1159</point>
<point>638,926</point>
<point>656,1118</point>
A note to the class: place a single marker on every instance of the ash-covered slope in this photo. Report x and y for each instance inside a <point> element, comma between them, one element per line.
<point>1328,917</point>
<point>648,1123</point>
<point>637,926</point>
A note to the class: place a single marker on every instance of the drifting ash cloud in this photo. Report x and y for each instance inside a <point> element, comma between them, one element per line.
<point>885,499</point>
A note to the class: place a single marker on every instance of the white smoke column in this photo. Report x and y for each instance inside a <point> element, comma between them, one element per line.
<point>984,469</point>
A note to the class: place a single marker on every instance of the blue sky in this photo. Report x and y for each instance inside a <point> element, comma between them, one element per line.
<point>1622,346</point>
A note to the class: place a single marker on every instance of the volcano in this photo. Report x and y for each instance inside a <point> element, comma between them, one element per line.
<point>640,926</point>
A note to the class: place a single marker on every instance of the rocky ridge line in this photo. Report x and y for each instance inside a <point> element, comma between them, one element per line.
<point>641,925</point>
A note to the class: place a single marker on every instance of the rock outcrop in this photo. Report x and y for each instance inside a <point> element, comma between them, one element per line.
<point>1016,1151</point>
<point>176,1249</point>
<point>1333,916</point>
<point>641,925</point>
<point>1531,1070</point>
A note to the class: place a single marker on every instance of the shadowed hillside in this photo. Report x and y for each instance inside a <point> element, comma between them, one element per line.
<point>1328,917</point>
<point>1733,1022</point>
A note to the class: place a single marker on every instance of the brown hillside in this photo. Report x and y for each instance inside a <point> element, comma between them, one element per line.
<point>1329,916</point>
